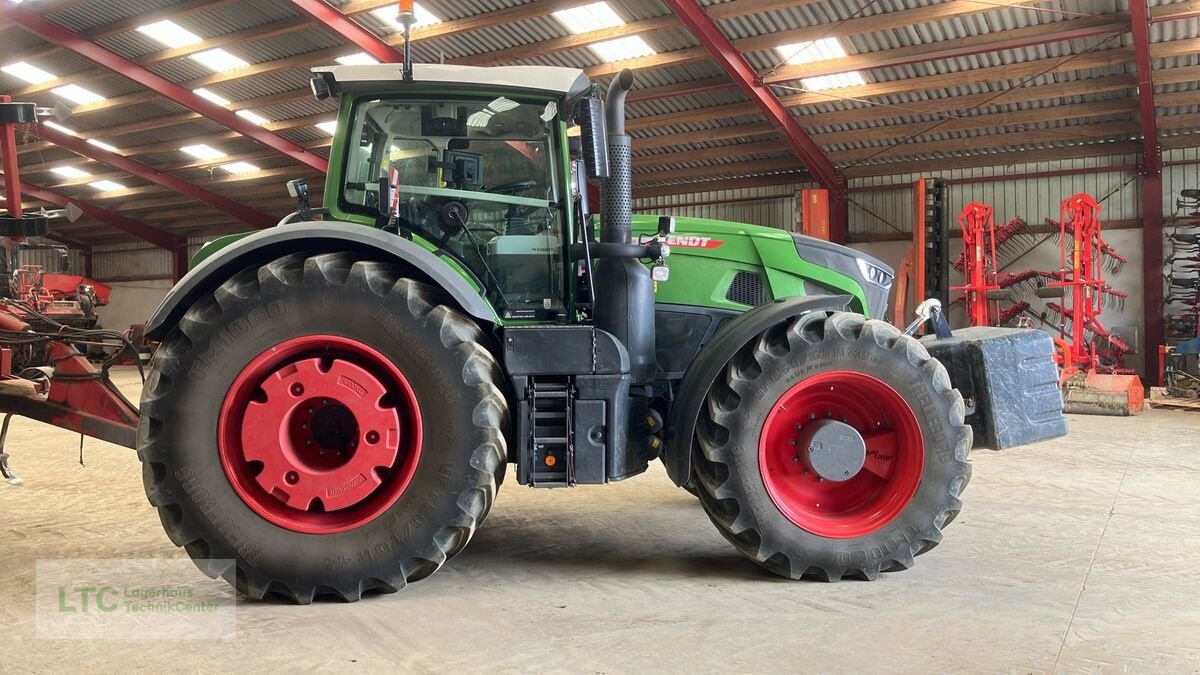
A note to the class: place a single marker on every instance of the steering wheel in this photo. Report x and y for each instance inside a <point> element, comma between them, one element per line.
<point>512,189</point>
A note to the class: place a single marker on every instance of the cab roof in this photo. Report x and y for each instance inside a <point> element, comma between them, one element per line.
<point>541,79</point>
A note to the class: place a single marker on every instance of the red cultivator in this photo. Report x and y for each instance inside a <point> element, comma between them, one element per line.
<point>1090,355</point>
<point>990,297</point>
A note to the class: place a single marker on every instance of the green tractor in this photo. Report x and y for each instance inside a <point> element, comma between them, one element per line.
<point>336,400</point>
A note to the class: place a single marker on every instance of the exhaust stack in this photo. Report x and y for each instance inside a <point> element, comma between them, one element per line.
<point>625,305</point>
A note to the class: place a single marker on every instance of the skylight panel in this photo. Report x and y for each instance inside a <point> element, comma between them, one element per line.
<point>211,96</point>
<point>622,49</point>
<point>107,185</point>
<point>202,152</point>
<point>170,34</point>
<point>387,14</point>
<point>29,73</point>
<point>101,144</point>
<point>359,59</point>
<point>588,18</point>
<point>836,81</point>
<point>77,94</point>
<point>812,51</point>
<point>70,172</point>
<point>253,117</point>
<point>58,127</point>
<point>238,168</point>
<point>218,60</point>
<point>328,127</point>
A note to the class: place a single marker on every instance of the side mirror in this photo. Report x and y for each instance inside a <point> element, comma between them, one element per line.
<point>594,136</point>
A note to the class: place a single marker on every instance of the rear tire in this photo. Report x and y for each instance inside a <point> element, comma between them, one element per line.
<point>352,329</point>
<point>757,478</point>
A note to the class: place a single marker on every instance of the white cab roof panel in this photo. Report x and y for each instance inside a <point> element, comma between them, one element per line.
<point>532,78</point>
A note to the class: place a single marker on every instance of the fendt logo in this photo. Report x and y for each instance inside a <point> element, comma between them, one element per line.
<point>693,241</point>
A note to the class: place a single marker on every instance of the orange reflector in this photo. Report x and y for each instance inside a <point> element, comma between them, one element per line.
<point>406,7</point>
<point>550,461</point>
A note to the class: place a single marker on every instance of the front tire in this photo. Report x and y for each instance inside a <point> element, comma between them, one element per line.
<point>322,426</point>
<point>832,447</point>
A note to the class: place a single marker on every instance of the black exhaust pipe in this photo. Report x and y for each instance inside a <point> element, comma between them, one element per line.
<point>625,303</point>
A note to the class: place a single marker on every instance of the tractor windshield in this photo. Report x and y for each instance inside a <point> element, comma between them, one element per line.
<point>476,177</point>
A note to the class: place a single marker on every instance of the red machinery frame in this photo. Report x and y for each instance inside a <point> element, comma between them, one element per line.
<point>1086,389</point>
<point>978,225</point>
<point>76,395</point>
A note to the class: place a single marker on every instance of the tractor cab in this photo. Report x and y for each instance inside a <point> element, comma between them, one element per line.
<point>476,171</point>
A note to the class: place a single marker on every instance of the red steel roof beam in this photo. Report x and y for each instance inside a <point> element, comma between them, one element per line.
<point>333,19</point>
<point>147,233</point>
<point>734,64</point>
<point>244,213</point>
<point>704,29</point>
<point>55,34</point>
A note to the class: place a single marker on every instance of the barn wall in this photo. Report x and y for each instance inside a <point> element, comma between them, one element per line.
<point>885,213</point>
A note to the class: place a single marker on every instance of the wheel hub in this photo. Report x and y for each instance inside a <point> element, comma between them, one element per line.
<point>841,454</point>
<point>835,450</point>
<point>320,434</point>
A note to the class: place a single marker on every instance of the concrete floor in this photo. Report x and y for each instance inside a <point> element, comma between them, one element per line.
<point>1077,555</point>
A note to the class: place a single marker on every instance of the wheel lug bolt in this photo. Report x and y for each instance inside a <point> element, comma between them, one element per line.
<point>292,478</point>
<point>791,441</point>
<point>297,389</point>
<point>372,436</point>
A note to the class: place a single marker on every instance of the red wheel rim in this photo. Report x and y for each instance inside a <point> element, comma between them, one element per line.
<point>320,434</point>
<point>889,477</point>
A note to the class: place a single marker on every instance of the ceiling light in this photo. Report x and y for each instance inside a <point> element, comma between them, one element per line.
<point>240,167</point>
<point>70,172</point>
<point>58,127</point>
<point>77,94</point>
<point>107,185</point>
<point>31,74</point>
<point>836,81</point>
<point>101,144</point>
<point>218,60</point>
<point>359,59</point>
<point>203,152</point>
<point>632,47</point>
<point>588,18</point>
<point>211,96</point>
<point>814,50</point>
<point>253,117</point>
<point>170,34</point>
<point>328,127</point>
<point>387,14</point>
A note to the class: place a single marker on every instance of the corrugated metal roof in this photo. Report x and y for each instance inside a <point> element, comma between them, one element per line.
<point>834,114</point>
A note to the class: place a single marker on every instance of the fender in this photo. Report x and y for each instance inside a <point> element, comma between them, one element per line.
<point>708,364</point>
<point>316,236</point>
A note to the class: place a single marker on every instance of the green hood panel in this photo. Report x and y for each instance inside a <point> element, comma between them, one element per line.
<point>708,255</point>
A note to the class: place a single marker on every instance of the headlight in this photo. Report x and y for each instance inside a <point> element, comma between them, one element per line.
<point>880,276</point>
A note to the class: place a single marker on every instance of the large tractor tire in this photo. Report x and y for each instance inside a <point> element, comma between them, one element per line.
<point>832,447</point>
<point>322,426</point>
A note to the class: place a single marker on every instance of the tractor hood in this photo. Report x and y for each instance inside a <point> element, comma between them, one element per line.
<point>872,274</point>
<point>776,248</point>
